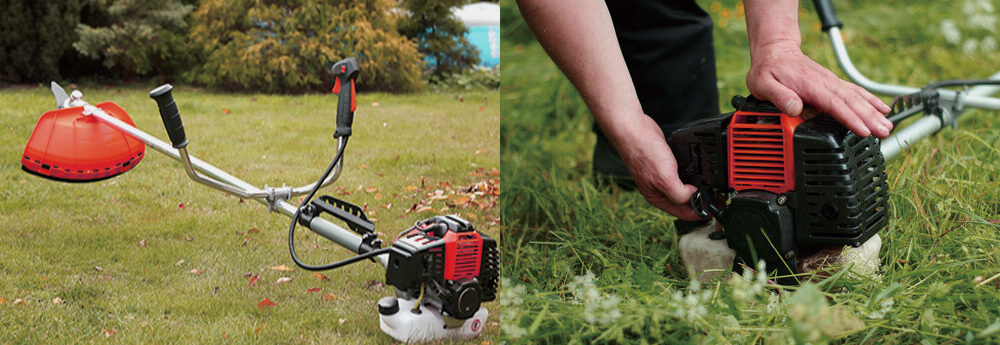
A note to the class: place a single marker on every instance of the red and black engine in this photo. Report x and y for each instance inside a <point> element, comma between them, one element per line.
<point>782,185</point>
<point>446,263</point>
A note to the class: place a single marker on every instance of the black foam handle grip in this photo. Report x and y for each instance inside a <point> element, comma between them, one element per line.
<point>827,16</point>
<point>346,71</point>
<point>171,117</point>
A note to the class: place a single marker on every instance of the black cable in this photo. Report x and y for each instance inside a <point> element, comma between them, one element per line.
<point>298,213</point>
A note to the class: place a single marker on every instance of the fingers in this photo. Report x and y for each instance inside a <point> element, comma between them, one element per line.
<point>789,84</point>
<point>786,100</point>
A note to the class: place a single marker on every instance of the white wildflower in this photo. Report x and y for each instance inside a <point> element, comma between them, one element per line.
<point>509,298</point>
<point>988,45</point>
<point>885,308</point>
<point>950,31</point>
<point>596,309</point>
<point>970,46</point>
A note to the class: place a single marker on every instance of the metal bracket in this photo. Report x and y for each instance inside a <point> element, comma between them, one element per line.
<point>276,194</point>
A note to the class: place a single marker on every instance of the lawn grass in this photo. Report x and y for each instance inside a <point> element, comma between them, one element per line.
<point>585,263</point>
<point>113,260</point>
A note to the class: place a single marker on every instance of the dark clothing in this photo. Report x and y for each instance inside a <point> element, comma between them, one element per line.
<point>667,45</point>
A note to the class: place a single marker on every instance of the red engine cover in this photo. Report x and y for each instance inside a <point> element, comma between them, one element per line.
<point>760,151</point>
<point>67,145</point>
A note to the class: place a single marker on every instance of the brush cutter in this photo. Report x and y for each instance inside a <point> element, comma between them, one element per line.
<point>442,268</point>
<point>802,193</point>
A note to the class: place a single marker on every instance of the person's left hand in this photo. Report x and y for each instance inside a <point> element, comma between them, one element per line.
<point>788,78</point>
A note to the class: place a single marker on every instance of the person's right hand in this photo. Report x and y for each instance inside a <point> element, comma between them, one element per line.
<point>654,168</point>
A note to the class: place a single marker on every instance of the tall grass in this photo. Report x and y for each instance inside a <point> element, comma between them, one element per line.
<point>585,263</point>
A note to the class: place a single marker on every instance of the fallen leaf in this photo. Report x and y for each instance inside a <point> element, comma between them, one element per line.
<point>330,296</point>
<point>411,188</point>
<point>181,262</point>
<point>225,111</point>
<point>320,276</point>
<point>180,205</point>
<point>19,301</point>
<point>425,209</point>
<point>216,291</point>
<point>283,280</point>
<point>362,166</point>
<point>282,268</point>
<point>374,104</point>
<point>224,335</point>
<point>479,151</point>
<point>462,200</point>
<point>253,280</point>
<point>378,196</point>
<point>371,189</point>
<point>259,329</point>
<point>142,243</point>
<point>109,332</point>
<point>482,108</point>
<point>98,268</point>
<point>253,231</point>
<point>315,289</point>
<point>266,302</point>
<point>387,206</point>
<point>57,301</point>
<point>341,321</point>
<point>196,272</point>
<point>374,285</point>
<point>2,300</point>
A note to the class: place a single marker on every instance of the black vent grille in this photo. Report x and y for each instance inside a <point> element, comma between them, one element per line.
<point>489,272</point>
<point>841,189</point>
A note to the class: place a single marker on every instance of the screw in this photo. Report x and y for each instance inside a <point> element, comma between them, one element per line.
<point>782,199</point>
<point>789,254</point>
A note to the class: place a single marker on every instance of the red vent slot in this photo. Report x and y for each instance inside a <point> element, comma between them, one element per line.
<point>463,255</point>
<point>760,151</point>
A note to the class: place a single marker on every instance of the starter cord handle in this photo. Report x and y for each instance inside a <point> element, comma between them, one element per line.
<point>345,72</point>
<point>827,16</point>
<point>170,115</point>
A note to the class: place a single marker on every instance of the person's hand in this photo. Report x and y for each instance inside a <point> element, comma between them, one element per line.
<point>788,78</point>
<point>654,168</point>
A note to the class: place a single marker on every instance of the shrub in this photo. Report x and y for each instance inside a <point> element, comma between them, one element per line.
<point>137,36</point>
<point>439,34</point>
<point>289,46</point>
<point>35,35</point>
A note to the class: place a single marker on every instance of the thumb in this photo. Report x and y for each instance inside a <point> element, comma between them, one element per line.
<point>784,98</point>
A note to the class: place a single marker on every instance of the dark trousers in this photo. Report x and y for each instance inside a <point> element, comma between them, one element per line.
<point>668,48</point>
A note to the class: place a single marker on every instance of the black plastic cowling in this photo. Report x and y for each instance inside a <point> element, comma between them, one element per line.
<point>841,193</point>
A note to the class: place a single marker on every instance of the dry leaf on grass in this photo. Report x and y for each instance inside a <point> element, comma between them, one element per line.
<point>283,280</point>
<point>282,268</point>
<point>315,289</point>
<point>196,272</point>
<point>253,280</point>
<point>266,302</point>
<point>320,276</point>
<point>330,296</point>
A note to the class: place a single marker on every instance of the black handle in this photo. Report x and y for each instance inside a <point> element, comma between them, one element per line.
<point>827,16</point>
<point>171,117</point>
<point>345,71</point>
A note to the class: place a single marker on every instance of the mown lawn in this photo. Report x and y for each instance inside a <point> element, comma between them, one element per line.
<point>151,257</point>
<point>589,264</point>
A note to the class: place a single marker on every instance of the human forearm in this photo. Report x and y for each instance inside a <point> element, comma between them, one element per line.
<point>582,43</point>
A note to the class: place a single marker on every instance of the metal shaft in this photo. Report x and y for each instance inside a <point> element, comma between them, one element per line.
<point>236,186</point>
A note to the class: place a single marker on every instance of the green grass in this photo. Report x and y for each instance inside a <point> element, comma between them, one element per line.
<point>939,260</point>
<point>81,242</point>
